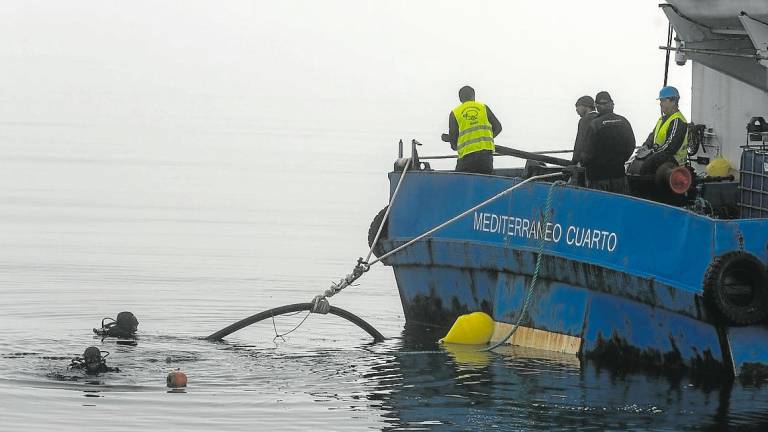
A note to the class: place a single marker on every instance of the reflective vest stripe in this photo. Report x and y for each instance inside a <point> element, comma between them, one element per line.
<point>475,131</point>
<point>476,128</point>
<point>474,140</point>
<point>662,135</point>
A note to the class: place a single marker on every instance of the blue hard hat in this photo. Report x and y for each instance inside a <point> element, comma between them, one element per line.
<point>668,92</point>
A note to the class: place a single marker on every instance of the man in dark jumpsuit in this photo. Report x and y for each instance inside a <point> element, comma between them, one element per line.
<point>585,108</point>
<point>608,144</point>
<point>472,126</point>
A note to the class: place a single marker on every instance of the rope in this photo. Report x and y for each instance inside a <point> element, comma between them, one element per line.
<point>280,335</point>
<point>547,210</point>
<point>386,213</point>
<point>321,301</point>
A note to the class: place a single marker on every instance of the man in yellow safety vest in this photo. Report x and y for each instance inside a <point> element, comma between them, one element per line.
<point>669,139</point>
<point>471,130</point>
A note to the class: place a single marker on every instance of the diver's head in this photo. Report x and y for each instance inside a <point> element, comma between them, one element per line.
<point>92,359</point>
<point>127,321</point>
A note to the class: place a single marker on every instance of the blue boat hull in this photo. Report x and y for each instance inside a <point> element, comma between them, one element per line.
<point>620,276</point>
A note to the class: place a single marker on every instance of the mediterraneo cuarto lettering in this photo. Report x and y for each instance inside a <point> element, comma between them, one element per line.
<point>588,237</point>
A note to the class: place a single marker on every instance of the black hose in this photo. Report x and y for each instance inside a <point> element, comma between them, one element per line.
<point>509,151</point>
<point>296,307</point>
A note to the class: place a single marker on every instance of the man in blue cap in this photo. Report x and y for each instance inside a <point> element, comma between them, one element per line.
<point>669,139</point>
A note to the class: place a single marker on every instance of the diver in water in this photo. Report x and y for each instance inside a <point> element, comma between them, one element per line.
<point>123,327</point>
<point>92,362</point>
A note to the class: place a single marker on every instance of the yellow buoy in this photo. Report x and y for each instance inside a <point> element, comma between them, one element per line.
<point>471,329</point>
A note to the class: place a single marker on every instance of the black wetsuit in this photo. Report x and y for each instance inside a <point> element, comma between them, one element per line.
<point>123,327</point>
<point>79,363</point>
<point>115,331</point>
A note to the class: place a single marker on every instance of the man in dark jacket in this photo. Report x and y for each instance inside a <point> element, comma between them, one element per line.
<point>472,126</point>
<point>585,108</point>
<point>608,144</point>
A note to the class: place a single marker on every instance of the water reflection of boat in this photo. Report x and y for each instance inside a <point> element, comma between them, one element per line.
<point>527,389</point>
<point>624,279</point>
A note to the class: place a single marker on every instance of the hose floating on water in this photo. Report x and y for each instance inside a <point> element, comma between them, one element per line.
<point>296,307</point>
<point>362,267</point>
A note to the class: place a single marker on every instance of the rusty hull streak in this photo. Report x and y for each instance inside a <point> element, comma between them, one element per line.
<point>590,276</point>
<point>429,310</point>
<point>472,287</point>
<point>617,352</point>
<point>430,252</point>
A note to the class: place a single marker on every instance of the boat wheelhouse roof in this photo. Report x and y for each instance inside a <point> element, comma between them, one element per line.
<point>730,37</point>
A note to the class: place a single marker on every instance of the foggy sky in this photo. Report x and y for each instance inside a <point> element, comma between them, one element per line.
<point>390,68</point>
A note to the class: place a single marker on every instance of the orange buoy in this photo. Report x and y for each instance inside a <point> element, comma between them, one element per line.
<point>176,378</point>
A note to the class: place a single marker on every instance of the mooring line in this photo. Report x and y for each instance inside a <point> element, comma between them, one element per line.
<point>535,277</point>
<point>389,207</point>
<point>320,304</point>
<point>280,335</point>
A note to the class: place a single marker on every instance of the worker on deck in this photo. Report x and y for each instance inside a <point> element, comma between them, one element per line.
<point>608,144</point>
<point>585,108</point>
<point>471,130</point>
<point>668,141</point>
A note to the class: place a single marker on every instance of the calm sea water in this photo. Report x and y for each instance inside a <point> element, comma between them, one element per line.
<point>193,227</point>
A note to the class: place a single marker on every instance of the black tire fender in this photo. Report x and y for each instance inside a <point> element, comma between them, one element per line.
<point>378,250</point>
<point>736,288</point>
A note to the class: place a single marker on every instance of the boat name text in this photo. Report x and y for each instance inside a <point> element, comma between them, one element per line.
<point>586,237</point>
